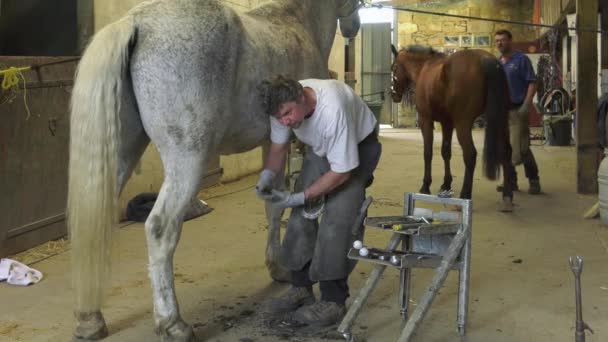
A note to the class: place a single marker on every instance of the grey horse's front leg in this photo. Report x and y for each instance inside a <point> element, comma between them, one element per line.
<point>273,244</point>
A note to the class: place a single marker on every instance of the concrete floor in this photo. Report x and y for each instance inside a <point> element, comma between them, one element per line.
<point>221,279</point>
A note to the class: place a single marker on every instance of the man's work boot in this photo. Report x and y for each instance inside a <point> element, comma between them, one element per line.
<point>514,187</point>
<point>291,300</point>
<point>321,313</point>
<point>534,188</point>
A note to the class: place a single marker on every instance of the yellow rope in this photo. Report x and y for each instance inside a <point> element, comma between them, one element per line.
<point>11,79</point>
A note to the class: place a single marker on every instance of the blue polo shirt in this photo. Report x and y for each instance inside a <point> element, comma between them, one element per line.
<point>519,74</point>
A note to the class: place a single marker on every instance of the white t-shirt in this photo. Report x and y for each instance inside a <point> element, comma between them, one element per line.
<point>340,121</point>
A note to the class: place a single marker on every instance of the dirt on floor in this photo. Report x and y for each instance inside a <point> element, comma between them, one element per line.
<point>522,288</point>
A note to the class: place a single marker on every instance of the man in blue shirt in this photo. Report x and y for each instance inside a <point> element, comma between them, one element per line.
<point>522,87</point>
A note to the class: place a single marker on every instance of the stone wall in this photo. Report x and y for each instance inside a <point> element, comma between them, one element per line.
<point>431,30</point>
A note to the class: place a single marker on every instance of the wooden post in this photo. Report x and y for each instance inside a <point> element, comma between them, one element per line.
<point>586,98</point>
<point>604,25</point>
<point>85,22</point>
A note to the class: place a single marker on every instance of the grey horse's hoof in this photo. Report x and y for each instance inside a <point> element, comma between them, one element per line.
<point>196,208</point>
<point>507,205</point>
<point>177,332</point>
<point>278,273</point>
<point>91,327</point>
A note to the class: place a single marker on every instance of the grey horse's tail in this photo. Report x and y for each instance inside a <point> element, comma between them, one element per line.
<point>496,112</point>
<point>94,137</point>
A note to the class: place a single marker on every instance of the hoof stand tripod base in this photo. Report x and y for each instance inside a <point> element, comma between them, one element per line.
<point>428,240</point>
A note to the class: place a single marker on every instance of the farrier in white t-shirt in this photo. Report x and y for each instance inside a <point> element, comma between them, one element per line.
<point>340,121</point>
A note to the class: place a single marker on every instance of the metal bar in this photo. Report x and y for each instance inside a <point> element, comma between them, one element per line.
<point>434,199</point>
<point>442,272</point>
<point>68,60</point>
<point>388,72</point>
<point>464,275</point>
<point>580,28</point>
<point>361,216</point>
<point>35,225</point>
<point>47,84</point>
<point>366,290</point>
<point>579,335</point>
<point>406,273</point>
<point>405,282</point>
<point>413,260</point>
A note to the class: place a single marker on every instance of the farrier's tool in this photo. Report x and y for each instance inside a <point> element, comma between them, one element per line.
<point>576,265</point>
<point>361,215</point>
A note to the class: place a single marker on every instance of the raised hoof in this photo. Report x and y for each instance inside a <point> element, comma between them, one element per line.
<point>506,206</point>
<point>178,332</point>
<point>91,327</point>
<point>278,273</point>
<point>445,193</point>
<point>196,208</point>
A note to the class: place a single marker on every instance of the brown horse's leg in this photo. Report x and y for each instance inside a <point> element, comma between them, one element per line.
<point>427,137</point>
<point>446,152</point>
<point>463,132</point>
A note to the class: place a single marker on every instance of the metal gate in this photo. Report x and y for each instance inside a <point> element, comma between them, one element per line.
<point>376,69</point>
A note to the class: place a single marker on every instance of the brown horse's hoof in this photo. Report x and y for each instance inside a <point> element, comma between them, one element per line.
<point>506,205</point>
<point>91,327</point>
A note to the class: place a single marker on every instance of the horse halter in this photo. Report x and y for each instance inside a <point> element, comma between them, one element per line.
<point>395,80</point>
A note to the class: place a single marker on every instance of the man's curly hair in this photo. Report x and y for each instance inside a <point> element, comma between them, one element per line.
<point>276,91</point>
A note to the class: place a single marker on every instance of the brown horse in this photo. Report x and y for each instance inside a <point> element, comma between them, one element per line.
<point>454,90</point>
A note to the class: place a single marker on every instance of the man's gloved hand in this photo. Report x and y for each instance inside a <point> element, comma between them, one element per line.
<point>286,199</point>
<point>264,186</point>
<point>524,108</point>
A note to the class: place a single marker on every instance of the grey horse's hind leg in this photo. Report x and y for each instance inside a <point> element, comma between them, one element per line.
<point>163,230</point>
<point>133,137</point>
<point>273,244</point>
<point>91,327</point>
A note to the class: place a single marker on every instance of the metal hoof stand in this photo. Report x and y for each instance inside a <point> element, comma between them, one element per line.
<point>440,240</point>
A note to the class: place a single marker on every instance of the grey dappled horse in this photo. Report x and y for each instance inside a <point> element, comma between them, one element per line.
<point>181,74</point>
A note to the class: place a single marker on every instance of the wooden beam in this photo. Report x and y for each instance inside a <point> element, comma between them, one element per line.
<point>568,8</point>
<point>604,25</point>
<point>586,98</point>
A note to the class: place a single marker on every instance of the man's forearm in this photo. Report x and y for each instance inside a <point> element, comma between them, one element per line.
<point>530,93</point>
<point>325,184</point>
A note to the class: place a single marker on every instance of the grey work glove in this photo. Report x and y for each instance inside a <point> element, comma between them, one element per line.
<point>264,186</point>
<point>286,199</point>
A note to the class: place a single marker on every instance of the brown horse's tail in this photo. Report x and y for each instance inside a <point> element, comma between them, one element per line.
<point>496,113</point>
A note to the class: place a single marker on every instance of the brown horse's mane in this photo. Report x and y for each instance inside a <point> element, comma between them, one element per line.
<point>417,52</point>
<point>424,50</point>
